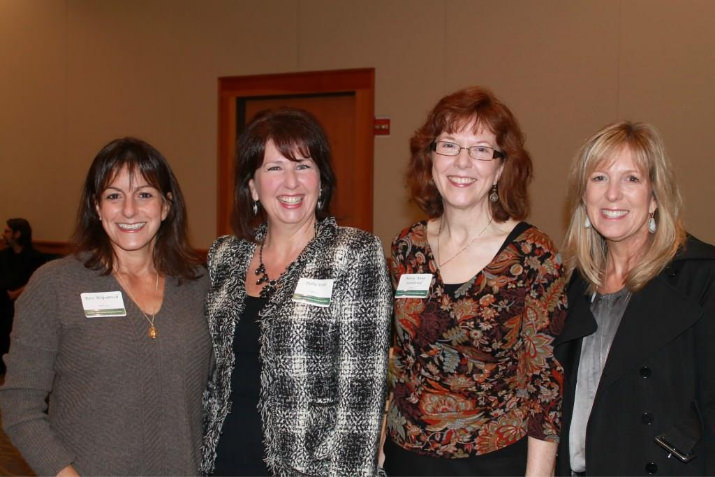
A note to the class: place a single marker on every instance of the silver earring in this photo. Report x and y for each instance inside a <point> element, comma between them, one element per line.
<point>651,223</point>
<point>587,223</point>
<point>494,195</point>
<point>255,207</point>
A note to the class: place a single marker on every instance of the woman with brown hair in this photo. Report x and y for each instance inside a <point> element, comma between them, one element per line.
<point>475,387</point>
<point>110,350</point>
<point>299,310</point>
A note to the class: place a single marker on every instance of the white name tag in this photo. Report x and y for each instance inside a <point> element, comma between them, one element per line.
<point>315,292</point>
<point>103,304</point>
<point>414,285</point>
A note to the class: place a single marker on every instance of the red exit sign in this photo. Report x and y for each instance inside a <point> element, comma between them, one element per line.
<point>381,126</point>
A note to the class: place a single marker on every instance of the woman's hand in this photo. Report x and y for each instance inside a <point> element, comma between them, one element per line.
<point>383,433</point>
<point>68,472</point>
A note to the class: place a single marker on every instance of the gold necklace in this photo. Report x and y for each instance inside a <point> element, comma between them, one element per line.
<point>439,232</point>
<point>153,332</point>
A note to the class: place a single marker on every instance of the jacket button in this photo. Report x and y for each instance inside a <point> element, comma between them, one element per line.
<point>645,372</point>
<point>647,418</point>
<point>651,468</point>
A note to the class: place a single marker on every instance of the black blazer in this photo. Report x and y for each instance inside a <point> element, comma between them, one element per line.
<point>660,372</point>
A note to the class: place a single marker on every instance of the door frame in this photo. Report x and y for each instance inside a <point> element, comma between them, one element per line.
<point>360,82</point>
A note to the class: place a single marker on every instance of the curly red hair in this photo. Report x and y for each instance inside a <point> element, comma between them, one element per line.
<point>478,107</point>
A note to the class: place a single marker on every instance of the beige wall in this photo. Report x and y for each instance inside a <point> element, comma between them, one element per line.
<point>75,74</point>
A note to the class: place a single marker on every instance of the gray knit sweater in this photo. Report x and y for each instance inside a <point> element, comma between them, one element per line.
<point>119,402</point>
<point>324,370</point>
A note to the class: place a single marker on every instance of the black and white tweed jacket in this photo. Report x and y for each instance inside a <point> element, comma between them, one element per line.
<point>324,370</point>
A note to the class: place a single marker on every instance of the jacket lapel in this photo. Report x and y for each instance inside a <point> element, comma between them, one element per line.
<point>654,316</point>
<point>579,321</point>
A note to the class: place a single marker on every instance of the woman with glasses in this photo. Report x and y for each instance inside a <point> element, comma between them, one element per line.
<point>479,297</point>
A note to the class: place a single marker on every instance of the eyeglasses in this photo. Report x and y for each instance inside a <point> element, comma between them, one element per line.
<point>480,153</point>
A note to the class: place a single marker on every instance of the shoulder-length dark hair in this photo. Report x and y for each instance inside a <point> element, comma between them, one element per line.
<point>172,253</point>
<point>23,226</point>
<point>297,134</point>
<point>477,106</point>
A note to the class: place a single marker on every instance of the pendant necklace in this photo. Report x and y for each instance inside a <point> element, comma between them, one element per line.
<point>153,332</point>
<point>439,232</point>
<point>262,275</point>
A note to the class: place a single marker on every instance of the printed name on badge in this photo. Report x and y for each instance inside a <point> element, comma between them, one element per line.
<point>315,292</point>
<point>414,285</point>
<point>103,304</point>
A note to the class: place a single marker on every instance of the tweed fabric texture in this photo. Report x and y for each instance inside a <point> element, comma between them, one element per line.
<point>120,403</point>
<point>323,376</point>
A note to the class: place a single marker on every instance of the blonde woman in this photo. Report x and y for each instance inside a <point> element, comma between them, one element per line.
<point>637,346</point>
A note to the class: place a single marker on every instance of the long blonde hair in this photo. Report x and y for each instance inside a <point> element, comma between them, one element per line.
<point>585,248</point>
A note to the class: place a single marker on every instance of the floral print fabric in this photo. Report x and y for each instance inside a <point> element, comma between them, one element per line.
<point>473,370</point>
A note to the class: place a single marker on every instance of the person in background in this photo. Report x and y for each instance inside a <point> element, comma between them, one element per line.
<point>110,352</point>
<point>479,297</point>
<point>18,261</point>
<point>299,310</point>
<point>637,347</point>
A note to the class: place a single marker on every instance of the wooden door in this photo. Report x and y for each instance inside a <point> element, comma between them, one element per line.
<point>343,103</point>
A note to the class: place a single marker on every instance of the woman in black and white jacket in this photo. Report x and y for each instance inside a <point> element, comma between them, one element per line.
<point>299,310</point>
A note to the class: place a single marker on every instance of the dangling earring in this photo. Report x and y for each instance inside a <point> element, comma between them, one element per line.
<point>255,207</point>
<point>587,223</point>
<point>319,204</point>
<point>651,223</point>
<point>494,195</point>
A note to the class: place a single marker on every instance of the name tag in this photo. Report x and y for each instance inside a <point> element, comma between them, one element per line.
<point>103,304</point>
<point>315,292</point>
<point>414,285</point>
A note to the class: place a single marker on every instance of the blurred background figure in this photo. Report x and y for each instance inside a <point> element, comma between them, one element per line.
<point>110,351</point>
<point>17,263</point>
<point>475,386</point>
<point>299,310</point>
<point>637,347</point>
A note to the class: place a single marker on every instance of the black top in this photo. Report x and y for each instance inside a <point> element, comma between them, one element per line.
<point>240,449</point>
<point>15,271</point>
<point>452,288</point>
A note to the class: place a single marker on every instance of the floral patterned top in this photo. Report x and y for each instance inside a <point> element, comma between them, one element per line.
<point>473,369</point>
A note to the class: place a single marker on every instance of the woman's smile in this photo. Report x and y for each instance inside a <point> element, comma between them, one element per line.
<point>461,181</point>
